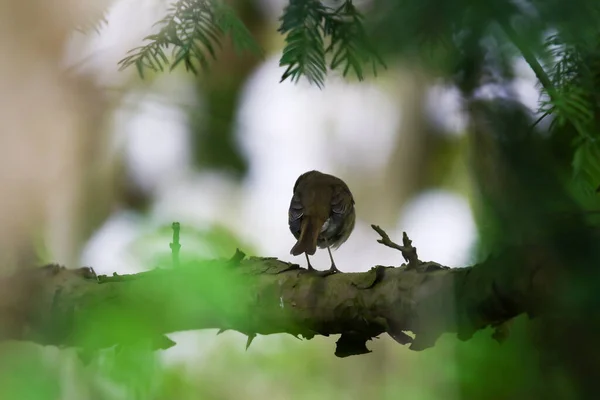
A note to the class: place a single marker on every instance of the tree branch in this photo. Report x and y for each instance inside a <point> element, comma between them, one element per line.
<point>58,306</point>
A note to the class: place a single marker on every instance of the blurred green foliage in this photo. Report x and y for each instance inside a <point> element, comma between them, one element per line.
<point>527,177</point>
<point>27,376</point>
<point>198,244</point>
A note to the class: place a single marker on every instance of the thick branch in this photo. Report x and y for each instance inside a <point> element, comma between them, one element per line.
<point>266,296</point>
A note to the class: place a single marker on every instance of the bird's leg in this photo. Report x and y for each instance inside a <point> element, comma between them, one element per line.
<point>310,267</point>
<point>333,268</point>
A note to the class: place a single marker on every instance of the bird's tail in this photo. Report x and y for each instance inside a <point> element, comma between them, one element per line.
<point>309,233</point>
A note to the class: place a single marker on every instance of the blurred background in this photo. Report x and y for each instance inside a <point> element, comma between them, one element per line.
<point>97,164</point>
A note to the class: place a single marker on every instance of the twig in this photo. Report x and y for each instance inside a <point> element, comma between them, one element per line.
<point>409,252</point>
<point>529,56</point>
<point>385,239</point>
<point>175,246</point>
<point>237,257</point>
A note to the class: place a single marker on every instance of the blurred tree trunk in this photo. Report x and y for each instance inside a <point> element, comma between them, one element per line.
<point>213,129</point>
<point>53,152</point>
<point>55,172</point>
<point>421,156</point>
<point>523,200</point>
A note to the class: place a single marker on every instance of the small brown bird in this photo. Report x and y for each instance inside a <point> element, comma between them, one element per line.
<point>321,214</point>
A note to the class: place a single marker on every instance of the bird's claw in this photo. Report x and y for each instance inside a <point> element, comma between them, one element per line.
<point>331,271</point>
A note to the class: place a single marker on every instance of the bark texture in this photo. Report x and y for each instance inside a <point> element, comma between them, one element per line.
<point>59,306</point>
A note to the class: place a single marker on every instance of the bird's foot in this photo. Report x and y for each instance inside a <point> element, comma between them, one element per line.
<point>331,271</point>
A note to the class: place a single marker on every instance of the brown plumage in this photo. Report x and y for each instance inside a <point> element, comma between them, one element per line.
<point>321,214</point>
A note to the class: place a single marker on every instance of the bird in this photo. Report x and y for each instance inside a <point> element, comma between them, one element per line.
<point>321,214</point>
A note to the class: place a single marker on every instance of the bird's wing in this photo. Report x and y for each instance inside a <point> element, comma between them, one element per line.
<point>296,210</point>
<point>295,214</point>
<point>341,201</point>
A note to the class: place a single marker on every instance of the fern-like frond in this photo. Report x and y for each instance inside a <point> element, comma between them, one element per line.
<point>229,23</point>
<point>350,46</point>
<point>307,24</point>
<point>573,95</point>
<point>575,105</point>
<point>193,29</point>
<point>195,36</point>
<point>586,166</point>
<point>304,52</point>
<point>570,105</point>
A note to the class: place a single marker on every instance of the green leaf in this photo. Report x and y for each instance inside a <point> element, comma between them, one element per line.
<point>187,24</point>
<point>194,29</point>
<point>304,53</point>
<point>229,23</point>
<point>350,45</point>
<point>586,166</point>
